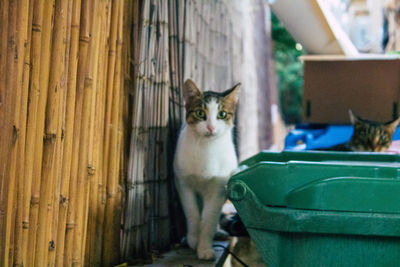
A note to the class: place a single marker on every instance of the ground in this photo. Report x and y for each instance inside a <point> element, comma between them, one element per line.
<point>185,257</point>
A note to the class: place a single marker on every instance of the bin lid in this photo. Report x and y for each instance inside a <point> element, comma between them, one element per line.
<point>325,181</point>
<point>347,194</point>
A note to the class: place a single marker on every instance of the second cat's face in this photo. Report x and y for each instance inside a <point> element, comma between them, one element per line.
<point>371,136</point>
<point>209,113</point>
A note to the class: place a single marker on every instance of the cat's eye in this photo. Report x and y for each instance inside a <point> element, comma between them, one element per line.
<point>221,115</point>
<point>200,113</point>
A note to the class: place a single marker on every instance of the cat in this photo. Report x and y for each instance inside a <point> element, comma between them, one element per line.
<point>368,136</point>
<point>204,160</point>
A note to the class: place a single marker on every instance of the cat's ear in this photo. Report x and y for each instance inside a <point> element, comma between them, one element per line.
<point>190,90</point>
<point>232,94</point>
<point>353,118</point>
<point>393,125</point>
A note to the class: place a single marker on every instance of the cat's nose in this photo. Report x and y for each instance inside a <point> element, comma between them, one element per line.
<point>210,128</point>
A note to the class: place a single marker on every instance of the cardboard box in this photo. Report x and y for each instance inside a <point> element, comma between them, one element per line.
<point>369,85</point>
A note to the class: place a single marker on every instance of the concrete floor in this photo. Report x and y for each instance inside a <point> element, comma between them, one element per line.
<point>185,257</point>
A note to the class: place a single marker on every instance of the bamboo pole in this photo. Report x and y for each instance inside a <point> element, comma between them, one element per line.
<point>128,235</point>
<point>3,59</point>
<point>112,213</point>
<point>73,244</point>
<point>83,176</point>
<point>58,198</point>
<point>152,170</point>
<point>89,212</point>
<point>144,121</point>
<point>34,93</point>
<point>109,87</point>
<point>52,136</point>
<point>110,79</point>
<point>24,46</point>
<point>127,58</point>
<point>68,134</point>
<point>9,180</point>
<point>93,240</point>
<point>5,141</point>
<point>136,154</point>
<point>164,212</point>
<point>37,160</point>
<point>102,84</point>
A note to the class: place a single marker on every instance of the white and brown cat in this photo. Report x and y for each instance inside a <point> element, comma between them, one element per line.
<point>205,159</point>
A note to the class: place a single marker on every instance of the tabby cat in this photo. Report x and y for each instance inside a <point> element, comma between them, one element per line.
<point>368,136</point>
<point>205,159</point>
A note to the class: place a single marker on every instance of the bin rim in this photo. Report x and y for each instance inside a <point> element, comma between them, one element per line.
<point>255,215</point>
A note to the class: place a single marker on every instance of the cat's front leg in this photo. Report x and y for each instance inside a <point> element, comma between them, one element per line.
<point>192,214</point>
<point>213,201</point>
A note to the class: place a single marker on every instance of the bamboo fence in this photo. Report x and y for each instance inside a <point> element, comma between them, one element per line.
<point>176,40</point>
<point>63,105</point>
<point>90,110</point>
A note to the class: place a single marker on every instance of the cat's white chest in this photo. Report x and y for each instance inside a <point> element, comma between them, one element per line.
<point>204,157</point>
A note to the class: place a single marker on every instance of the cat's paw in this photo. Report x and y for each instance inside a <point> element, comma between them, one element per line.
<point>192,241</point>
<point>206,254</point>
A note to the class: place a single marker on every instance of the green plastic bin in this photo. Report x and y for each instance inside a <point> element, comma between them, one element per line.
<point>321,208</point>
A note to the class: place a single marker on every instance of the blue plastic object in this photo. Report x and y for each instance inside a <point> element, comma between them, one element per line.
<point>308,137</point>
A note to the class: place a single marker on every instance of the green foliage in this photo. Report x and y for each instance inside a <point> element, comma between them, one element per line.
<point>289,71</point>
